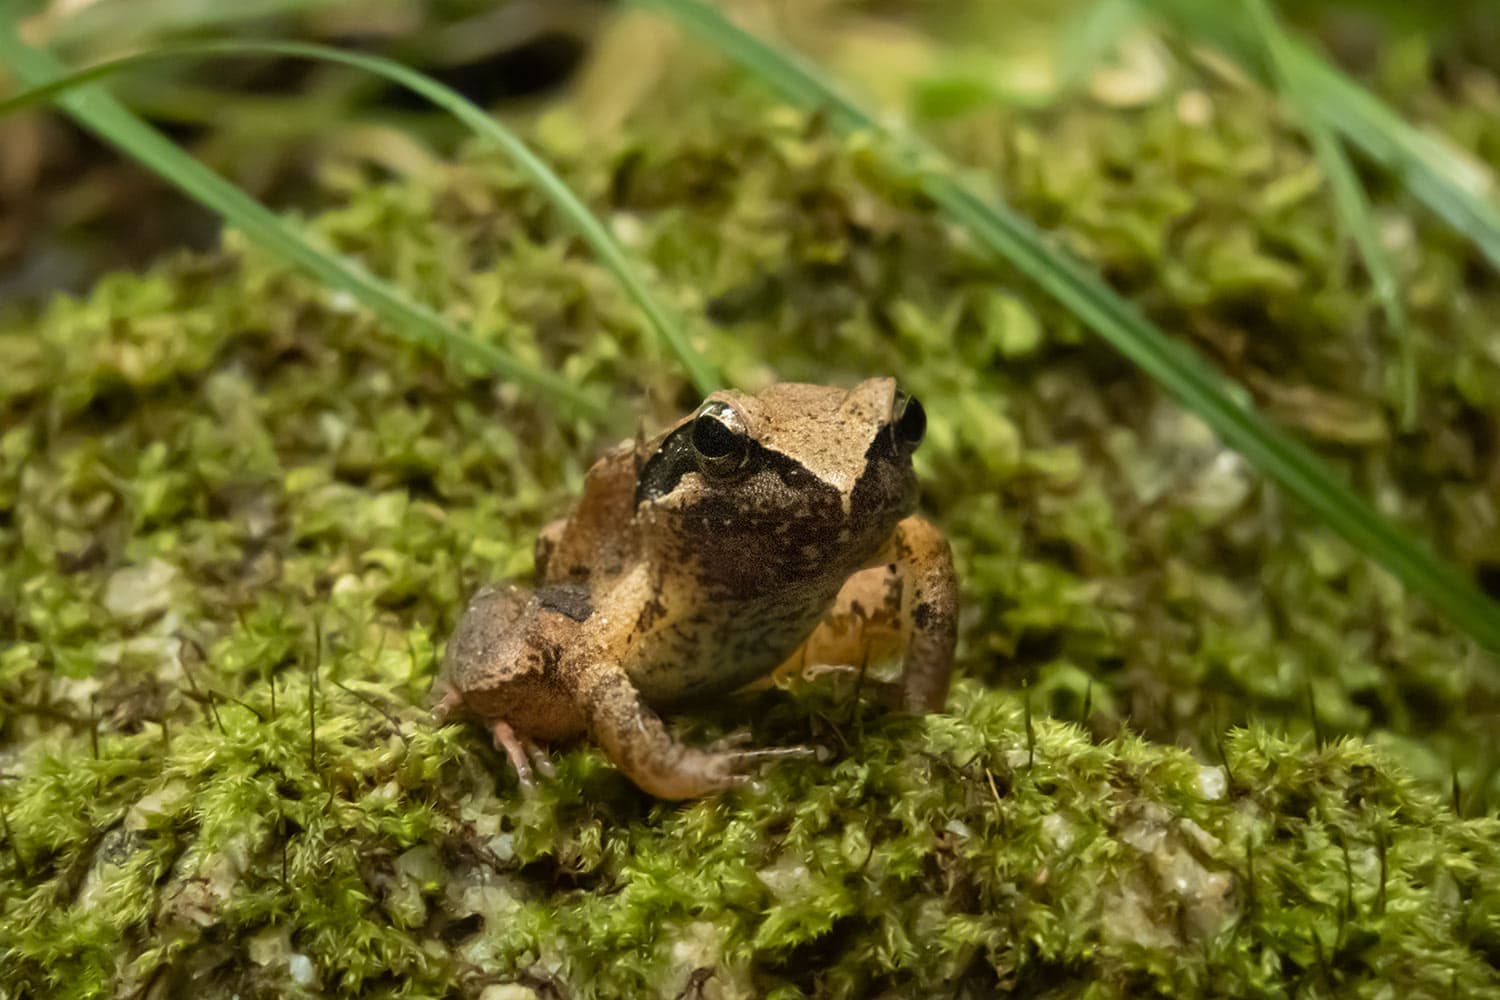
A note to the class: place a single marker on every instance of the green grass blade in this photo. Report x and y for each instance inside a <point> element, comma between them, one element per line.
<point>410,320</point>
<point>577,214</point>
<point>1348,197</point>
<point>1429,168</point>
<point>141,20</point>
<point>1182,372</point>
<point>1426,165</point>
<point>1090,36</point>
<point>703,376</point>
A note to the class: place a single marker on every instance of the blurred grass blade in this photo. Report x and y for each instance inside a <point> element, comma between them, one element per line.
<point>410,320</point>
<point>1434,172</point>
<point>1348,197</point>
<point>1428,167</point>
<point>1090,36</point>
<point>1182,372</point>
<point>593,232</point>
<point>577,214</point>
<point>536,170</point>
<point>125,24</point>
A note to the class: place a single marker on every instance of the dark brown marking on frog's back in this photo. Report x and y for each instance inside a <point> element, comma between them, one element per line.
<point>673,459</point>
<point>569,599</point>
<point>651,612</point>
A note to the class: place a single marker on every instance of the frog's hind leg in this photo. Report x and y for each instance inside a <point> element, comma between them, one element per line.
<point>469,662</point>
<point>855,641</point>
<point>633,737</point>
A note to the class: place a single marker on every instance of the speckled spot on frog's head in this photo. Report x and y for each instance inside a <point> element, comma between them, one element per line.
<point>810,481</point>
<point>825,430</point>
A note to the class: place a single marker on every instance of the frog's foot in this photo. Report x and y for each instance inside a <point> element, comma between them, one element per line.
<point>737,740</point>
<point>525,753</point>
<point>633,737</point>
<point>740,739</point>
<point>686,772</point>
<point>449,706</point>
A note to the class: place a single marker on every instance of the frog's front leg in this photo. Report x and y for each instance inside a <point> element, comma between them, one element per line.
<point>929,612</point>
<point>907,598</point>
<point>636,741</point>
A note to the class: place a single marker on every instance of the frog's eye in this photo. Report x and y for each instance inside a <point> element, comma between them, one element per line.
<point>720,440</point>
<point>908,422</point>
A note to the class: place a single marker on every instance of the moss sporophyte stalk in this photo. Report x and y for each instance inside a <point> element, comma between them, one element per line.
<point>239,523</point>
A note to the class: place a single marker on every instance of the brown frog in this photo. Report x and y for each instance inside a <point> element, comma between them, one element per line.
<point>697,562</point>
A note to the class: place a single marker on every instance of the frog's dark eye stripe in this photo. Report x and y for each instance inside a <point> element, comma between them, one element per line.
<point>713,443</point>
<point>662,472</point>
<point>908,422</point>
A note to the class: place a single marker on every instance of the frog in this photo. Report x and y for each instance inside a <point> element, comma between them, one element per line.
<point>761,530</point>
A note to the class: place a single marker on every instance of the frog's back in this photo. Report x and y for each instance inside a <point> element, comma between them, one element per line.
<point>597,541</point>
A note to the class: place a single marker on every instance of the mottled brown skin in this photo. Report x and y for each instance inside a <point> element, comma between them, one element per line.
<point>697,562</point>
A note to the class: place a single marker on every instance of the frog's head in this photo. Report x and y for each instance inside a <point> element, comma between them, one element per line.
<point>794,483</point>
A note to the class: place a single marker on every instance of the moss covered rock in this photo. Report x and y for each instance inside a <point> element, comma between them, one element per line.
<point>237,523</point>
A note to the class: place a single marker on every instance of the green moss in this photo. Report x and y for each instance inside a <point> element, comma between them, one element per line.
<point>238,525</point>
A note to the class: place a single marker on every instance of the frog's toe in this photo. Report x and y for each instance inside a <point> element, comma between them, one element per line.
<point>517,748</point>
<point>696,773</point>
<point>526,755</point>
<point>812,672</point>
<point>751,758</point>
<point>731,741</point>
<point>448,706</point>
<point>539,759</point>
<point>734,768</point>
